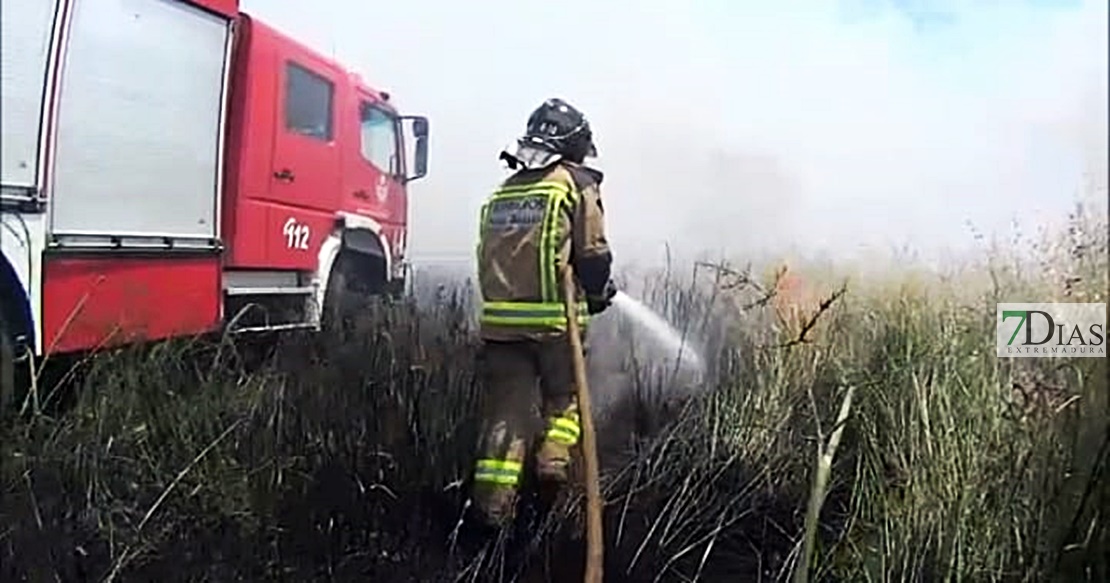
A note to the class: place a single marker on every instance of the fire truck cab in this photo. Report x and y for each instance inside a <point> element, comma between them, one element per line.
<point>174,167</point>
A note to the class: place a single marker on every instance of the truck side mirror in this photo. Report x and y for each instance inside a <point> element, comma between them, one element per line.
<point>420,147</point>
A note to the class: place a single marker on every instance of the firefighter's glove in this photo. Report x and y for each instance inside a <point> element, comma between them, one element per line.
<point>598,304</point>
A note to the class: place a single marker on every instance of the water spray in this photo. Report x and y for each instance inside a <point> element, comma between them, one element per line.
<point>666,335</point>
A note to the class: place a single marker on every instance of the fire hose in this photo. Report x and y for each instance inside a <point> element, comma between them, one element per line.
<point>594,535</point>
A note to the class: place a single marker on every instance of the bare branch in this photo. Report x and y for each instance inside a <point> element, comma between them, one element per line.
<point>803,335</point>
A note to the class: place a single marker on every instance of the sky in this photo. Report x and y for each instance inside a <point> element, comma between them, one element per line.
<point>741,128</point>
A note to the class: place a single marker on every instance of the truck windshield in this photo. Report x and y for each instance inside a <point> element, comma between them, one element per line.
<point>379,139</point>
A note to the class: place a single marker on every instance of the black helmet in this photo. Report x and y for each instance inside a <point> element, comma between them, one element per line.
<point>559,128</point>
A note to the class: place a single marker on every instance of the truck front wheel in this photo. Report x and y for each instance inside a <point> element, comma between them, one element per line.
<point>357,280</point>
<point>8,375</point>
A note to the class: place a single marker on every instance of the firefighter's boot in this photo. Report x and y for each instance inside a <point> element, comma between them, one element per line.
<point>495,506</point>
<point>553,458</point>
<point>495,491</point>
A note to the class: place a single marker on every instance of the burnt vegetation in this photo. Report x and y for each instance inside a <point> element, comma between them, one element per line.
<point>874,437</point>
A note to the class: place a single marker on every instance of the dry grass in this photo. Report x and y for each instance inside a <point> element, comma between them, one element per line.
<point>347,458</point>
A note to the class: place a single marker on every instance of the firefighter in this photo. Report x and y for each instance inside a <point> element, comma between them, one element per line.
<point>545,218</point>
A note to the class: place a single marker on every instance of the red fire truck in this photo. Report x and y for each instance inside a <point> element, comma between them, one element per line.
<point>175,167</point>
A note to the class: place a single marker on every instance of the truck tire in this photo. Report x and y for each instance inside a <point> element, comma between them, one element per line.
<point>336,310</point>
<point>351,292</point>
<point>8,375</point>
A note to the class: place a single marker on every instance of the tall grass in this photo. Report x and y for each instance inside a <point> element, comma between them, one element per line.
<point>348,458</point>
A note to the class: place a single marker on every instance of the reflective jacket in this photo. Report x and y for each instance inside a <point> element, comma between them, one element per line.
<point>535,225</point>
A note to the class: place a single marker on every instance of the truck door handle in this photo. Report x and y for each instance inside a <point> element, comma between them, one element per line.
<point>285,175</point>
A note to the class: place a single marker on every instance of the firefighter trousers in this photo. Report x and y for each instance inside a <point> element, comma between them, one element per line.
<point>515,374</point>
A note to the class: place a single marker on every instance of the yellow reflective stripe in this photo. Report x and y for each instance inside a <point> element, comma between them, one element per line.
<point>546,307</point>
<point>564,200</point>
<point>570,199</point>
<point>567,193</point>
<point>542,314</point>
<point>546,193</point>
<point>503,472</point>
<point>559,324</point>
<point>523,308</point>
<point>483,216</point>
<point>548,282</point>
<point>563,430</point>
<point>492,478</point>
<point>566,424</point>
<point>544,185</point>
<point>500,465</point>
<point>562,437</point>
<point>553,323</point>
